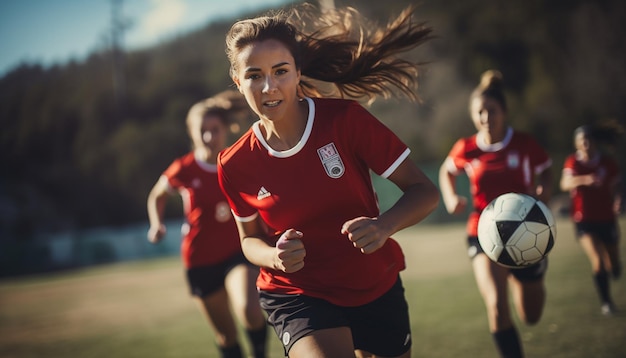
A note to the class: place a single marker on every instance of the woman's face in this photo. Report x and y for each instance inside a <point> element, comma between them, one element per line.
<point>488,116</point>
<point>268,78</point>
<point>208,132</point>
<point>582,142</point>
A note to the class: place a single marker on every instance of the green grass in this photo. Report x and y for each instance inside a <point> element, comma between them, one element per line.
<point>142,309</point>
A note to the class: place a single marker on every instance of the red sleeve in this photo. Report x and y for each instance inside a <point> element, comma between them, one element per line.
<point>173,173</point>
<point>540,160</point>
<point>241,210</point>
<point>456,160</point>
<point>373,142</point>
<point>568,165</point>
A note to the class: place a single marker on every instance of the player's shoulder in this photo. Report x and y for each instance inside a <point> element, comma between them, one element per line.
<point>334,102</point>
<point>607,158</point>
<point>464,148</point>
<point>183,161</point>
<point>570,158</point>
<point>237,149</point>
<point>337,114</point>
<point>570,162</point>
<point>609,161</point>
<point>186,158</point>
<point>466,143</point>
<point>522,136</point>
<point>180,165</point>
<point>524,140</point>
<point>335,107</point>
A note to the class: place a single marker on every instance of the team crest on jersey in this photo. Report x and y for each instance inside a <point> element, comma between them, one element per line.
<point>512,160</point>
<point>331,161</point>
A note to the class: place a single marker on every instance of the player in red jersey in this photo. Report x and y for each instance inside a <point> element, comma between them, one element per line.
<point>219,276</point>
<point>593,180</point>
<point>498,160</point>
<point>299,181</point>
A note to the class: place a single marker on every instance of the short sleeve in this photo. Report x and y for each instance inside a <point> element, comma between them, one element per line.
<point>539,157</point>
<point>241,210</point>
<point>173,174</point>
<point>568,165</point>
<point>456,160</point>
<point>373,142</point>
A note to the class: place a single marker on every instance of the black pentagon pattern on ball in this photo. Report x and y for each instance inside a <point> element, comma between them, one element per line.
<point>516,230</point>
<point>505,230</point>
<point>536,215</point>
<point>550,243</point>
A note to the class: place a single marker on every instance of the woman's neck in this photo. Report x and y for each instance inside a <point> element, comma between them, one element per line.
<point>585,155</point>
<point>492,138</point>
<point>206,155</point>
<point>287,132</point>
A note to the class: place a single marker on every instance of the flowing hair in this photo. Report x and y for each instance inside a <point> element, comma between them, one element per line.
<point>338,52</point>
<point>606,133</point>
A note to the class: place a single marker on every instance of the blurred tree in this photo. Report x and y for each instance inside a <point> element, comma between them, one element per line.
<point>70,159</point>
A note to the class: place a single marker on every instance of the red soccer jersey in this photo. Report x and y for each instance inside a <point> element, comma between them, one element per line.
<point>593,203</point>
<point>315,187</point>
<point>509,166</point>
<point>210,233</point>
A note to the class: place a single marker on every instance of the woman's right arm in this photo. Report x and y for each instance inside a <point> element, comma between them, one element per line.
<point>454,203</point>
<point>157,199</point>
<point>286,255</point>
<point>569,181</point>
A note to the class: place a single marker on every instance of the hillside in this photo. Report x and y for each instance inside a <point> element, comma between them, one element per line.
<point>76,153</point>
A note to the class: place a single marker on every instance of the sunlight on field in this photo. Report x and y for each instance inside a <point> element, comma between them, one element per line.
<point>143,309</point>
<point>91,301</point>
<point>433,251</point>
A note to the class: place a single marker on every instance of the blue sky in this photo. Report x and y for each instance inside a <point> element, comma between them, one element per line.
<point>54,31</point>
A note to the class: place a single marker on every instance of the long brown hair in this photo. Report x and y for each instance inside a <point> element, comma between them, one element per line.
<point>491,85</point>
<point>338,52</point>
<point>229,106</point>
<point>606,134</point>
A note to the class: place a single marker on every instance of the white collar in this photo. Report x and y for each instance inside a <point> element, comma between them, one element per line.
<point>211,168</point>
<point>494,147</point>
<point>298,147</point>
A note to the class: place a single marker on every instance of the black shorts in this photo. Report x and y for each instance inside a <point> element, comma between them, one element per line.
<point>530,273</point>
<point>606,232</point>
<point>205,280</point>
<point>381,327</point>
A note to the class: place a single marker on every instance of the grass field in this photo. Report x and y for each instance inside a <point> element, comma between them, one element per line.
<point>141,309</point>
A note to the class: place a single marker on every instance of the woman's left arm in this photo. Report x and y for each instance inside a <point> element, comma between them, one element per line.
<point>543,191</point>
<point>420,197</point>
<point>616,191</point>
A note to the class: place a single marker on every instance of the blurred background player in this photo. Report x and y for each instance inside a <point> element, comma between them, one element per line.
<point>299,180</point>
<point>219,276</point>
<point>593,180</point>
<point>498,160</point>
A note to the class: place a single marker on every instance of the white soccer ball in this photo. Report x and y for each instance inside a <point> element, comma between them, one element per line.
<point>516,230</point>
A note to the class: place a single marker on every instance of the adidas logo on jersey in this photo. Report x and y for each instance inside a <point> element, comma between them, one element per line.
<point>262,194</point>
